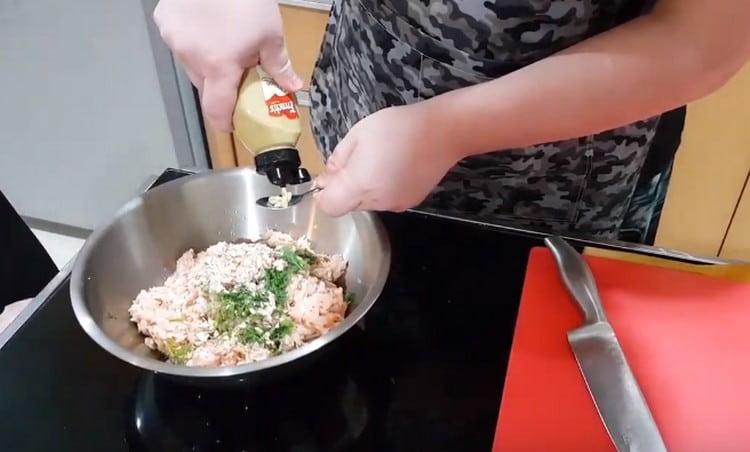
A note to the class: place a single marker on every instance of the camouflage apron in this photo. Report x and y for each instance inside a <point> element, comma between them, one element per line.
<point>381,53</point>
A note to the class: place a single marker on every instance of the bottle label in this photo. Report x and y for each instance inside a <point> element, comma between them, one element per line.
<point>279,102</point>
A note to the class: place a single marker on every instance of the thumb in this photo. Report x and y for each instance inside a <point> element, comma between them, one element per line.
<point>339,197</point>
<point>340,194</point>
<point>219,96</point>
<point>274,59</point>
<point>337,160</point>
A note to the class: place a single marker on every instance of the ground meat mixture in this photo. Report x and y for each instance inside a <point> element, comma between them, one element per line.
<point>236,303</point>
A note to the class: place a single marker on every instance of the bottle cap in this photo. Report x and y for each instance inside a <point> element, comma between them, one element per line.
<point>282,167</point>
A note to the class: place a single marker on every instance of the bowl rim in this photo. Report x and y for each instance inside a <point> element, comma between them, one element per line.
<point>90,326</point>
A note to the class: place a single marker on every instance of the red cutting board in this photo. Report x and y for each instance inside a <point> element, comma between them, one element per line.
<point>686,337</point>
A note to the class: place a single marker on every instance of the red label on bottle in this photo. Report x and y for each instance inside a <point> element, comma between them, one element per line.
<point>279,102</point>
<point>282,106</point>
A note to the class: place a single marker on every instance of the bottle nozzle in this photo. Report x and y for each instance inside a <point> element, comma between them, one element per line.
<point>282,167</point>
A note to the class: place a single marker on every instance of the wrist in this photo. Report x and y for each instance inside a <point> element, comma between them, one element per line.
<point>443,127</point>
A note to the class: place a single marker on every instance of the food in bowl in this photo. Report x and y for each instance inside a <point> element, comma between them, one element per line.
<point>280,201</point>
<point>237,303</point>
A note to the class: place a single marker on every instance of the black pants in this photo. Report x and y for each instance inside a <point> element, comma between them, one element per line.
<point>25,266</point>
<point>667,140</point>
<point>658,162</point>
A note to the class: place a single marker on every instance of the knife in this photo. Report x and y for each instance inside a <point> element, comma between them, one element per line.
<point>610,381</point>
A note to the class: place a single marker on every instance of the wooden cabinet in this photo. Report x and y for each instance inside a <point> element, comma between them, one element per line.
<point>710,171</point>
<point>220,148</point>
<point>304,29</point>
<point>737,241</point>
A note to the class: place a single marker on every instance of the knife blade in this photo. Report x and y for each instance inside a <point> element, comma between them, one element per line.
<point>609,379</point>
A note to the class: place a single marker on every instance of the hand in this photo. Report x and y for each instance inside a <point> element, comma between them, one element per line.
<point>217,40</point>
<point>390,160</point>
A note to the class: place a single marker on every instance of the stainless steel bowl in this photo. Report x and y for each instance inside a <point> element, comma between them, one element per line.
<point>139,247</point>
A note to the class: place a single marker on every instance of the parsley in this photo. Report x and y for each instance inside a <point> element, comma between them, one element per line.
<point>255,331</point>
<point>256,334</point>
<point>235,305</point>
<point>251,335</point>
<point>282,330</point>
<point>239,305</point>
<point>276,282</point>
<point>308,256</point>
<point>349,298</point>
<point>176,352</point>
<point>298,260</point>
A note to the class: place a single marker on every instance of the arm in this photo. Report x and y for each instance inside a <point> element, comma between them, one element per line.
<point>683,50</point>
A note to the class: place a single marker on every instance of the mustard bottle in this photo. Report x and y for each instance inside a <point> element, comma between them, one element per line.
<point>267,124</point>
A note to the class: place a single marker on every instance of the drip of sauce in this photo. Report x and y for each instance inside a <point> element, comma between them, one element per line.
<point>280,201</point>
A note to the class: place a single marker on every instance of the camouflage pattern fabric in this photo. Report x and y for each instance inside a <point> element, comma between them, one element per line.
<point>381,53</point>
<point>644,210</point>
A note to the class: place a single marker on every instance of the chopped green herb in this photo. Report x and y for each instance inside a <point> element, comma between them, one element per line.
<point>282,330</point>
<point>308,256</point>
<point>235,305</point>
<point>251,335</point>
<point>242,298</point>
<point>349,298</point>
<point>254,331</point>
<point>298,261</point>
<point>276,282</point>
<point>176,352</point>
<point>255,319</point>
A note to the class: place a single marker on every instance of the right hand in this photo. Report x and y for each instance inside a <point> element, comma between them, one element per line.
<point>217,40</point>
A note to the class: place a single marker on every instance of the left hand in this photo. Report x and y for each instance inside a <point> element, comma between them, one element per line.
<point>390,160</point>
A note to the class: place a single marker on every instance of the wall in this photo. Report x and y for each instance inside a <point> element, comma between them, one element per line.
<point>82,119</point>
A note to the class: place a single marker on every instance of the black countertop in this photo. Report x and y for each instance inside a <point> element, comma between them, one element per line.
<point>424,371</point>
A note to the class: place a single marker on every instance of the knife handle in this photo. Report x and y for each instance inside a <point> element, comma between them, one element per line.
<point>577,277</point>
